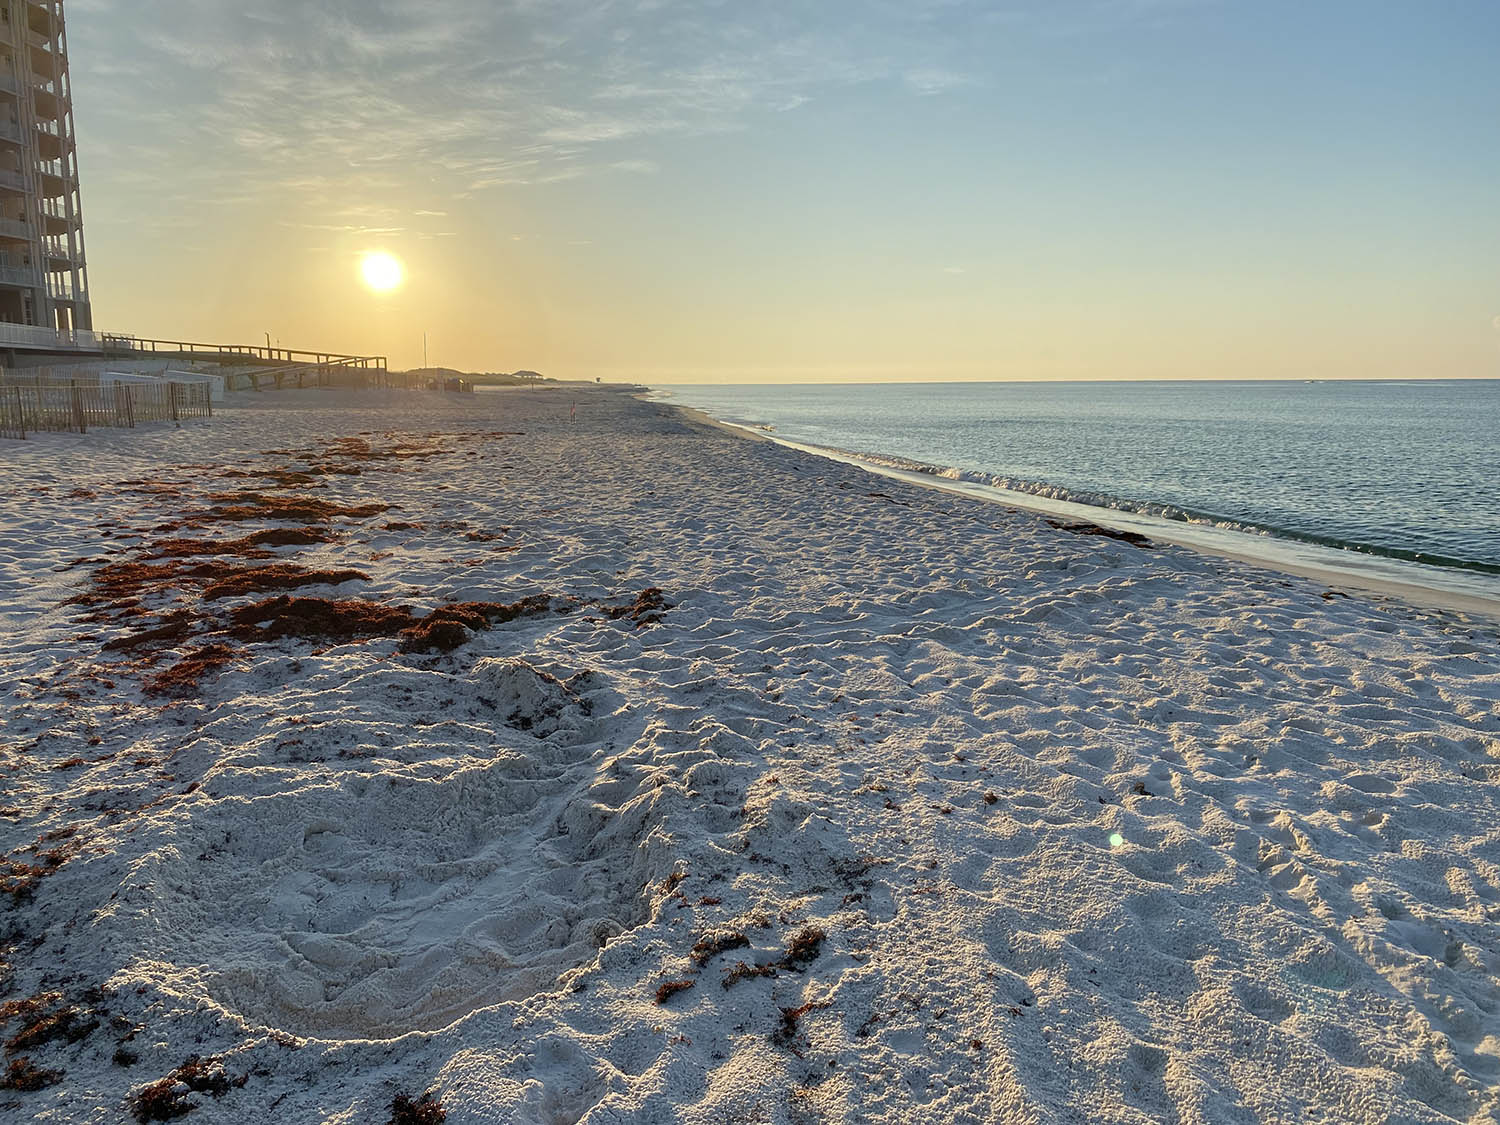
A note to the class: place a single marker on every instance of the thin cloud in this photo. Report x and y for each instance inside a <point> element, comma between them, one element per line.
<point>486,94</point>
<point>315,105</point>
<point>336,229</point>
<point>930,81</point>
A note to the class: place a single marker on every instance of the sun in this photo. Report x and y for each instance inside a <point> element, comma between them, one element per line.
<point>381,271</point>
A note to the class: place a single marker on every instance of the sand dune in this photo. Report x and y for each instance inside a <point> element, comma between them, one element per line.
<point>929,810</point>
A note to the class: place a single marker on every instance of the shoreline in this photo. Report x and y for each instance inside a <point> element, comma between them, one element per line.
<point>612,768</point>
<point>1452,588</point>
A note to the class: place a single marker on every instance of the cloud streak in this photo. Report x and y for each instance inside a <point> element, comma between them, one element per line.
<point>189,107</point>
<point>465,96</point>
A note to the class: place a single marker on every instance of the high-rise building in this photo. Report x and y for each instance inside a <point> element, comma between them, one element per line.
<point>43,279</point>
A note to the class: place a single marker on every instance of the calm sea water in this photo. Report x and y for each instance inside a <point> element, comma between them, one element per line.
<point>1406,470</point>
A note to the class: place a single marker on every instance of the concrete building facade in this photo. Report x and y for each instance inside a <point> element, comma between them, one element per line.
<point>43,274</point>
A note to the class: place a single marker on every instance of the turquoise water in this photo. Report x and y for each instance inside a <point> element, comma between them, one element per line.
<point>1405,470</point>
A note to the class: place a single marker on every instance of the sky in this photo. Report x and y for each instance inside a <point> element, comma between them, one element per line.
<point>664,191</point>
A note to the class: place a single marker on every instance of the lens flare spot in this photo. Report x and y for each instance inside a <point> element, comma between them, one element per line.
<point>381,271</point>
<point>1116,840</point>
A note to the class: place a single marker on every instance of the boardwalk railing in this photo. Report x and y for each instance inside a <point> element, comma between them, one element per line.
<point>348,372</point>
<point>118,344</point>
<point>37,406</point>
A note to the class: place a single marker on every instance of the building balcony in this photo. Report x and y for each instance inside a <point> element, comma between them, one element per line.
<point>53,181</point>
<point>10,131</point>
<point>12,181</point>
<point>19,269</point>
<point>9,83</point>
<point>50,146</point>
<point>24,277</point>
<point>39,16</point>
<point>55,218</point>
<point>45,64</point>
<point>15,228</point>
<point>60,287</point>
<point>49,106</point>
<point>60,256</point>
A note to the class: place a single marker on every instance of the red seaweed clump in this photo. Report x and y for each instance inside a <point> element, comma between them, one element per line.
<point>801,951</point>
<point>671,988</point>
<point>449,626</point>
<point>120,582</point>
<point>288,537</point>
<point>321,619</point>
<point>59,1021</point>
<point>302,509</point>
<point>24,1075</point>
<point>166,1098</point>
<point>176,626</point>
<point>426,1110</point>
<point>279,576</point>
<point>647,609</point>
<point>434,636</point>
<point>177,548</point>
<point>479,614</point>
<point>184,679</point>
<point>317,619</point>
<point>246,547</point>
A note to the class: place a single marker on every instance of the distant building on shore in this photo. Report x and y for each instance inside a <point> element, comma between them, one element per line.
<point>43,278</point>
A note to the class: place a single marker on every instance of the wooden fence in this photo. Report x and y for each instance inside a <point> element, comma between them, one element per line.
<point>28,407</point>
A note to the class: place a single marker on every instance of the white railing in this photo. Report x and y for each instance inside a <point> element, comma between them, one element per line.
<point>30,336</point>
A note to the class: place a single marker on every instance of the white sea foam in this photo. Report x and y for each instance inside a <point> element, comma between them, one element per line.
<point>1044,491</point>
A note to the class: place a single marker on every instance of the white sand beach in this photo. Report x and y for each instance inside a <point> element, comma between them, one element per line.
<point>921,809</point>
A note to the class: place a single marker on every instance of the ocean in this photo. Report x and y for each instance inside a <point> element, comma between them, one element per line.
<point>1404,471</point>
